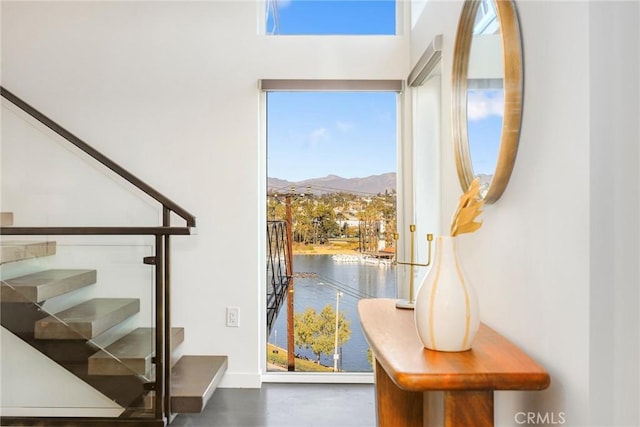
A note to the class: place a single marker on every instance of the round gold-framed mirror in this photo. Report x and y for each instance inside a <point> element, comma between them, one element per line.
<point>487,91</point>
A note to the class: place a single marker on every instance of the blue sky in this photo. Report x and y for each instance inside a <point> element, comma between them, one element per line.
<point>314,134</point>
<point>485,110</point>
<point>333,17</point>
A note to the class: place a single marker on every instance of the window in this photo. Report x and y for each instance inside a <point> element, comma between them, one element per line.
<point>331,161</point>
<point>322,17</point>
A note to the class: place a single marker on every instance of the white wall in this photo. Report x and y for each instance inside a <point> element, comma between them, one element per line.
<point>176,84</point>
<point>555,263</point>
<point>169,91</point>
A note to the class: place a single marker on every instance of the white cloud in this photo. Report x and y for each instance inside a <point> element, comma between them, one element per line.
<point>283,3</point>
<point>484,103</point>
<point>344,126</point>
<point>318,135</point>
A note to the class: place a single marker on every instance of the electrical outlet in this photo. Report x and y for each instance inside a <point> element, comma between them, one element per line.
<point>233,317</point>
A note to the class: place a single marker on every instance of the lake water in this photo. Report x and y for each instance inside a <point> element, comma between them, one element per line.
<point>355,281</point>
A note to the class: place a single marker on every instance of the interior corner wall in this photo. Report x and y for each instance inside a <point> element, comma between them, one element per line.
<point>169,90</point>
<point>615,212</point>
<point>555,262</point>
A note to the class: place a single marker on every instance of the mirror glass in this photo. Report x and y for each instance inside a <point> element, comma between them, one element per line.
<point>485,94</point>
<point>487,90</point>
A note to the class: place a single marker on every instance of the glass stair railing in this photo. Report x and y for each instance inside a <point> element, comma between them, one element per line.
<point>86,288</point>
<point>68,316</point>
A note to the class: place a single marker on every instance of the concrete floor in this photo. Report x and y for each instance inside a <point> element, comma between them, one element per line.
<point>287,405</point>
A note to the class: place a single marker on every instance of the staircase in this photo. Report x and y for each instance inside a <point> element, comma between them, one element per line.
<point>124,371</point>
<point>122,349</point>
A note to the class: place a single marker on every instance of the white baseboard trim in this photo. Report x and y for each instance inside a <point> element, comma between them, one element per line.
<point>318,378</point>
<point>255,380</point>
<point>241,380</point>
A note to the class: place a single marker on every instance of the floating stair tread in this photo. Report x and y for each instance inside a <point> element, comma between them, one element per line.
<point>6,219</point>
<point>11,251</point>
<point>131,353</point>
<point>193,381</point>
<point>44,285</point>
<point>87,320</point>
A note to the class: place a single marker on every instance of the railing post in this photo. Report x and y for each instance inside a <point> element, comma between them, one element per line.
<point>291,361</point>
<point>166,222</point>
<point>160,326</point>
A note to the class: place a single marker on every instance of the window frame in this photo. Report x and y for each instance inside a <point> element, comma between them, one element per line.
<point>321,85</point>
<point>402,16</point>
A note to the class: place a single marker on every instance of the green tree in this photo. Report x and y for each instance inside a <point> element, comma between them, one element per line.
<point>315,217</point>
<point>369,227</point>
<point>325,218</point>
<point>275,208</point>
<point>303,220</point>
<point>316,331</point>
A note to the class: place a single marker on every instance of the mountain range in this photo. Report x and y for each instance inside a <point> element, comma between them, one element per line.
<point>374,184</point>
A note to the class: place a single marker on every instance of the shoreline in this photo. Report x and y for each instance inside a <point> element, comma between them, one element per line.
<point>330,248</point>
<point>325,251</point>
<point>277,361</point>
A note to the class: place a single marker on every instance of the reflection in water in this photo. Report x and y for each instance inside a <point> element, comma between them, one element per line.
<point>355,281</point>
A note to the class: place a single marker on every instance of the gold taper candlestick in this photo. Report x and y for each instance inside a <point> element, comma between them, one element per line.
<point>410,303</point>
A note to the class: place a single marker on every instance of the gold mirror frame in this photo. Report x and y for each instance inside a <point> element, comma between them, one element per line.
<point>513,88</point>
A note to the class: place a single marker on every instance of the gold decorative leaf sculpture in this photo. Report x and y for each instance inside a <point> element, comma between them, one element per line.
<point>469,207</point>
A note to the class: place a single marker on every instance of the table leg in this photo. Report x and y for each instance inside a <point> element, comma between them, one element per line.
<point>468,408</point>
<point>396,407</point>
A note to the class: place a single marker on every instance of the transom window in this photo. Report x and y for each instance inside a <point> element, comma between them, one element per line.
<point>331,17</point>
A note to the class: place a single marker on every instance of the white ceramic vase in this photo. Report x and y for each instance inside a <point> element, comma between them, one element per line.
<point>446,306</point>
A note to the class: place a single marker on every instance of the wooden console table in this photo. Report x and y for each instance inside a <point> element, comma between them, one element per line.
<point>416,386</point>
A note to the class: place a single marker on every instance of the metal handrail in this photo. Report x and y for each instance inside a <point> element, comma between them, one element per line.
<point>113,166</point>
<point>161,260</point>
<point>76,231</point>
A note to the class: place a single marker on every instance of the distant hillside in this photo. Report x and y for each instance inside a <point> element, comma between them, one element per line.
<point>374,184</point>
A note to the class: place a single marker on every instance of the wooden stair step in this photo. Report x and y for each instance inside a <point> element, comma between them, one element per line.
<point>87,320</point>
<point>133,352</point>
<point>41,286</point>
<point>193,381</point>
<point>12,251</point>
<point>6,219</point>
